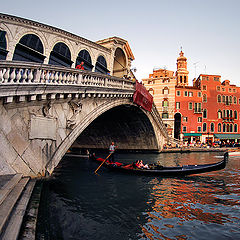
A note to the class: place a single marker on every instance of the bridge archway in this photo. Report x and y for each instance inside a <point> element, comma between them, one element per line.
<point>29,49</point>
<point>139,124</point>
<point>120,63</point>
<point>60,55</point>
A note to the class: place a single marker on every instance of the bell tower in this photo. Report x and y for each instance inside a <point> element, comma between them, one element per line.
<point>182,72</point>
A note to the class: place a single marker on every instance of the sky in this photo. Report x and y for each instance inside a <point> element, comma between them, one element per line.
<point>207,30</point>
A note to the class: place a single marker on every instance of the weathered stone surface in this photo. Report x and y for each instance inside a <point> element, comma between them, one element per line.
<point>42,128</point>
<point>17,141</point>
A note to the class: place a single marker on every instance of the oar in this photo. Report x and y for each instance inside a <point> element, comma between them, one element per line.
<point>103,162</point>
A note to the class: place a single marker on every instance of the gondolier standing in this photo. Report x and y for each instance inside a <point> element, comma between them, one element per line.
<point>112,148</point>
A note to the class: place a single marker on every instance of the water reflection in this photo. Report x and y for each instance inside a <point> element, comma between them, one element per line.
<point>78,204</point>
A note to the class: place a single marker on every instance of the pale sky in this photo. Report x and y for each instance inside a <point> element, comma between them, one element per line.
<point>207,30</point>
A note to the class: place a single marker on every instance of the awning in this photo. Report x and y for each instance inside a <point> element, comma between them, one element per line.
<point>192,134</point>
<point>227,136</point>
<point>142,97</point>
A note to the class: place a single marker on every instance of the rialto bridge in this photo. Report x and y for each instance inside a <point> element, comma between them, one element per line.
<point>47,105</point>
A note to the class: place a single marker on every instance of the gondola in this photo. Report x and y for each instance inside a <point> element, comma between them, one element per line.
<point>167,171</point>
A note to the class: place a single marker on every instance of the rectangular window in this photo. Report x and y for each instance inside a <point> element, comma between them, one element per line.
<point>190,94</point>
<point>184,129</point>
<point>185,93</point>
<point>199,129</point>
<point>185,119</point>
<point>199,94</point>
<point>234,90</point>
<point>223,89</point>
<point>216,78</point>
<point>204,87</point>
<point>177,105</point>
<point>178,93</point>
<point>199,119</point>
<point>190,106</point>
<point>218,88</point>
<point>230,90</point>
<point>165,115</point>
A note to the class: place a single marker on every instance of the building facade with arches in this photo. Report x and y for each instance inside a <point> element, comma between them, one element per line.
<point>30,41</point>
<point>206,112</point>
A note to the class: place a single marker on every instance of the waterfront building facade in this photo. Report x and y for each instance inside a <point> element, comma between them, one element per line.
<point>206,112</point>
<point>161,84</point>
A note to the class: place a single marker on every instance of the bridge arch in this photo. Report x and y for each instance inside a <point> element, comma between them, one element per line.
<point>120,63</point>
<point>94,115</point>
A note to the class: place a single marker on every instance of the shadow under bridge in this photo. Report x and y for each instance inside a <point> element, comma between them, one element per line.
<point>127,125</point>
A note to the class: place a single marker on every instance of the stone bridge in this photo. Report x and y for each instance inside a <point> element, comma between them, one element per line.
<point>46,109</point>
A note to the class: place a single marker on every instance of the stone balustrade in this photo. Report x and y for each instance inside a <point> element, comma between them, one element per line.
<point>23,73</point>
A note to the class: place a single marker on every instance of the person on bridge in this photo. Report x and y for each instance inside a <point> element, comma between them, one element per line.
<point>112,149</point>
<point>80,66</point>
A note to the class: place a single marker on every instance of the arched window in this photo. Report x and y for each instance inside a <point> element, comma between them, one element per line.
<point>231,113</point>
<point>151,91</point>
<point>219,98</point>
<point>212,127</point>
<point>223,99</point>
<point>204,127</point>
<point>60,55</point>
<point>101,65</point>
<point>224,113</point>
<point>224,127</point>
<point>165,90</point>
<point>231,128</point>
<point>165,103</point>
<point>164,115</point>
<point>219,127</point>
<point>205,113</point>
<point>235,100</point>
<point>227,127</point>
<point>85,57</point>
<point>235,128</point>
<point>3,45</point>
<point>235,114</point>
<point>219,114</point>
<point>185,79</point>
<point>230,99</point>
<point>180,79</point>
<point>29,49</point>
<point>204,97</point>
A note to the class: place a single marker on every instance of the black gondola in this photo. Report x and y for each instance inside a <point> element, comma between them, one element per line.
<point>168,171</point>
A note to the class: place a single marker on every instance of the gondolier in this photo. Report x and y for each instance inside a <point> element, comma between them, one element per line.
<point>112,149</point>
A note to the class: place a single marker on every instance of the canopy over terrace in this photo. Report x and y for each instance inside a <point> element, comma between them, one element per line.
<point>227,136</point>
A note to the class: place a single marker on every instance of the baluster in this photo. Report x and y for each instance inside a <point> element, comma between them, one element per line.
<point>60,78</point>
<point>47,77</point>
<point>51,76</point>
<point>30,75</point>
<point>64,78</point>
<point>42,76</point>
<point>79,78</point>
<point>1,75</point>
<point>6,75</point>
<point>56,77</point>
<point>12,75</point>
<point>68,78</point>
<point>37,75</point>
<point>73,78</point>
<point>24,76</point>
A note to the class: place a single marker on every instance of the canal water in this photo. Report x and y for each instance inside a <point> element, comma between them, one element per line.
<point>78,204</point>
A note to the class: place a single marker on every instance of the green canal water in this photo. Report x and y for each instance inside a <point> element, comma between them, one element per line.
<point>78,204</point>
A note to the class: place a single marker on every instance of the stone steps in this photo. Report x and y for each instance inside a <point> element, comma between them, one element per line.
<point>15,195</point>
<point>7,188</point>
